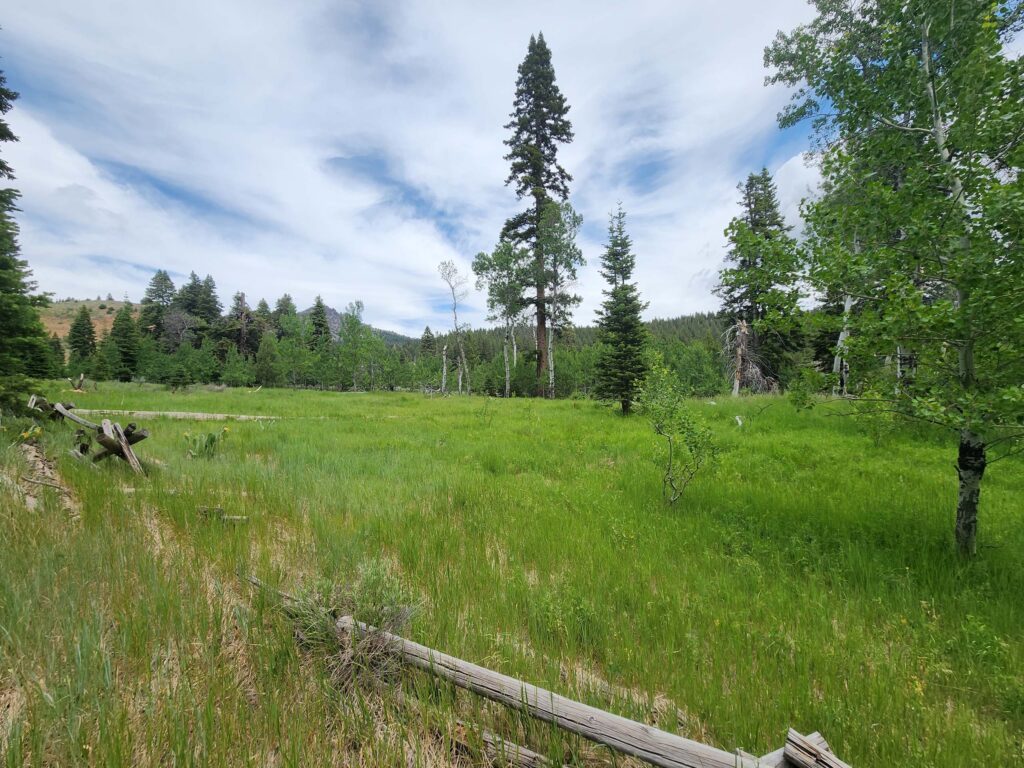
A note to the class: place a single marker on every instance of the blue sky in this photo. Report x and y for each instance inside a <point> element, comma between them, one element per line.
<point>345,148</point>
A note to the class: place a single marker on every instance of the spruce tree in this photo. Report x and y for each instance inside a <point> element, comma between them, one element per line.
<point>23,343</point>
<point>209,307</point>
<point>82,336</point>
<point>124,337</point>
<point>759,281</point>
<point>622,336</point>
<point>189,297</point>
<point>155,303</point>
<point>538,125</point>
<point>320,330</point>
<point>428,344</point>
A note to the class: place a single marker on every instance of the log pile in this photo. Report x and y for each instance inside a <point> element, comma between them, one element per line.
<point>112,439</point>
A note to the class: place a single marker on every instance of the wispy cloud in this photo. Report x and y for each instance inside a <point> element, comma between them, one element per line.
<point>345,148</point>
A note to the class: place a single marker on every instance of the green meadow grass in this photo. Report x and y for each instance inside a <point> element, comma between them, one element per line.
<point>809,580</point>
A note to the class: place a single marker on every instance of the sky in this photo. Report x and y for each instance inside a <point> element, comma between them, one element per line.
<point>346,148</point>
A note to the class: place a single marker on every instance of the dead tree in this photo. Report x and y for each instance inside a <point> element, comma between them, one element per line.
<point>745,364</point>
<point>457,286</point>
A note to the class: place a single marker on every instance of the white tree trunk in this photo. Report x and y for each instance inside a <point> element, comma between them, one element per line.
<point>444,370</point>
<point>508,373</point>
<point>839,364</point>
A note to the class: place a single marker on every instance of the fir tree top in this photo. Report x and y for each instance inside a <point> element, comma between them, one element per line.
<point>538,124</point>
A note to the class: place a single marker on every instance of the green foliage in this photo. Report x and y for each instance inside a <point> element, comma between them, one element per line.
<point>82,336</point>
<point>123,348</point>
<point>320,330</point>
<point>204,445</point>
<point>24,348</point>
<point>622,338</point>
<point>760,283</point>
<point>238,371</point>
<point>267,368</point>
<point>690,446</point>
<point>922,153</point>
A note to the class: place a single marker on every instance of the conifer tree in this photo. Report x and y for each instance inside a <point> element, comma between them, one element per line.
<point>209,306</point>
<point>189,297</point>
<point>124,337</point>
<point>621,361</point>
<point>320,330</point>
<point>82,336</point>
<point>155,303</point>
<point>759,282</point>
<point>538,125</point>
<point>428,345</point>
<point>23,342</point>
<point>268,362</point>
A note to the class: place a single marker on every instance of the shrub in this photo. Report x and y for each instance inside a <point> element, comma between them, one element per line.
<point>689,444</point>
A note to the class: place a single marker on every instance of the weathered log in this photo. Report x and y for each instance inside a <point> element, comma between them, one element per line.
<point>66,412</point>
<point>778,757</point>
<point>497,750</point>
<point>126,449</point>
<point>802,752</point>
<point>136,436</point>
<point>627,736</point>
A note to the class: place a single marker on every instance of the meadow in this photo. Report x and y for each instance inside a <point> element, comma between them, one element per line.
<point>808,580</point>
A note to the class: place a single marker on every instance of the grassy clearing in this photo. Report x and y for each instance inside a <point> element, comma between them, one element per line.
<point>808,581</point>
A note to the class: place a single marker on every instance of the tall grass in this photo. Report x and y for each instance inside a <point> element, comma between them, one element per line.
<point>809,581</point>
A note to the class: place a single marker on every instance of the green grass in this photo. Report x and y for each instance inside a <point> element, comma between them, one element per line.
<point>808,581</point>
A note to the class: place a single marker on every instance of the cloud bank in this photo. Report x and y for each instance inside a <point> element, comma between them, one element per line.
<point>345,148</point>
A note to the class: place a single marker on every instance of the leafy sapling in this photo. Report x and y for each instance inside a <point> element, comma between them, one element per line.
<point>689,443</point>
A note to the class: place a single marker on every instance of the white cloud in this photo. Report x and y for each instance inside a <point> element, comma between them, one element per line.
<point>242,106</point>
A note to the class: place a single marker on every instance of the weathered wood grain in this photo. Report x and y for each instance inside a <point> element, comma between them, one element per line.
<point>621,734</point>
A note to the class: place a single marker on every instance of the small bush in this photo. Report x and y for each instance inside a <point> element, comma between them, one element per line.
<point>689,444</point>
<point>204,446</point>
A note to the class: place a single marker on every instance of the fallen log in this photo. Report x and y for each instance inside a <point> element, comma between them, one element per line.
<point>803,752</point>
<point>621,734</point>
<point>65,411</point>
<point>777,759</point>
<point>113,439</point>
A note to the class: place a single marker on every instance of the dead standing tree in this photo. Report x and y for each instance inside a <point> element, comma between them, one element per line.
<point>457,286</point>
<point>744,362</point>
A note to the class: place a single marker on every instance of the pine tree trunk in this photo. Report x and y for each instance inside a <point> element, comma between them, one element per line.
<point>542,341</point>
<point>970,468</point>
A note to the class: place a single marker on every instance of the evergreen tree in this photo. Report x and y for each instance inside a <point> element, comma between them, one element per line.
<point>157,300</point>
<point>268,362</point>
<point>320,330</point>
<point>189,297</point>
<point>621,360</point>
<point>759,285</point>
<point>124,336</point>
<point>284,314</point>
<point>428,344</point>
<point>209,306</point>
<point>56,356</point>
<point>263,313</point>
<point>23,342</point>
<point>82,336</point>
<point>241,326</point>
<point>538,125</point>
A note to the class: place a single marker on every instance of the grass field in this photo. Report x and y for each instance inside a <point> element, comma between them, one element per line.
<point>808,581</point>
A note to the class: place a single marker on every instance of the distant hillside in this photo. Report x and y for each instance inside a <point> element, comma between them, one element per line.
<point>334,323</point>
<point>57,317</point>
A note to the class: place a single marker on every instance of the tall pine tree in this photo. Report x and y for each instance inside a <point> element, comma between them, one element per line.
<point>319,329</point>
<point>758,284</point>
<point>155,303</point>
<point>24,348</point>
<point>124,337</point>
<point>621,361</point>
<point>538,125</point>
